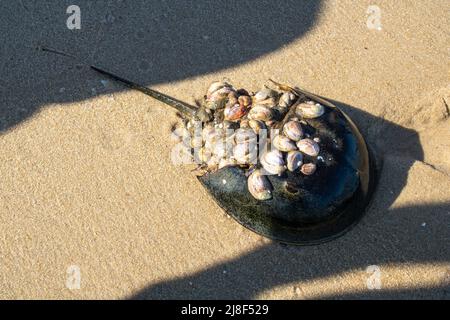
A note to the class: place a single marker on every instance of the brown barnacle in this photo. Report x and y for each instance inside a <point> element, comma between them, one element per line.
<point>235,109</point>
<point>245,100</point>
<point>293,130</point>
<point>234,112</point>
<point>308,169</point>
<point>294,160</point>
<point>259,186</point>
<point>308,147</point>
<point>244,123</point>
<point>283,143</point>
<point>271,123</point>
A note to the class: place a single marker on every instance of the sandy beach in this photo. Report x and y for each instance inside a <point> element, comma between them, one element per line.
<point>91,206</point>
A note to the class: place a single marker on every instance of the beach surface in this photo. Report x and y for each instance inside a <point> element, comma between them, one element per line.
<point>91,206</point>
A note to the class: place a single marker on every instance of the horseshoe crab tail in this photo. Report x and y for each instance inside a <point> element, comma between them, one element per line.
<point>184,108</point>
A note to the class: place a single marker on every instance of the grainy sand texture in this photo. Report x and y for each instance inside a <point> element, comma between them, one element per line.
<point>92,207</point>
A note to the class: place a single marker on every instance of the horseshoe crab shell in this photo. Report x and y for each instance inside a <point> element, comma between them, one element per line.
<point>306,210</point>
<point>302,209</point>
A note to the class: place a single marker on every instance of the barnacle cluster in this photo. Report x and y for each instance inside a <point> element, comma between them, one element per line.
<point>263,133</point>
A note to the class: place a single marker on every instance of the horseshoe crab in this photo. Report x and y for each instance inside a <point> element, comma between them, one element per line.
<point>311,188</point>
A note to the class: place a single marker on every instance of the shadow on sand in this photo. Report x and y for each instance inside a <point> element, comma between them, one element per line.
<point>149,42</point>
<point>385,236</point>
<point>155,42</point>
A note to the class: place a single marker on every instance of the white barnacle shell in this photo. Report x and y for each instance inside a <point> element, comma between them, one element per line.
<point>257,125</point>
<point>213,162</point>
<point>196,141</point>
<point>259,186</point>
<point>287,99</point>
<point>260,112</point>
<point>265,93</point>
<point>284,144</point>
<point>204,155</point>
<point>216,86</point>
<point>293,130</point>
<point>220,149</point>
<point>294,160</point>
<point>226,162</point>
<point>209,133</point>
<point>244,135</point>
<point>310,110</point>
<point>308,147</point>
<point>273,162</point>
<point>308,169</point>
<point>246,152</point>
<point>217,95</point>
<point>270,102</point>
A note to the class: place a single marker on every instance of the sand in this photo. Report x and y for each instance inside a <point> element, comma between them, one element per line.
<point>88,191</point>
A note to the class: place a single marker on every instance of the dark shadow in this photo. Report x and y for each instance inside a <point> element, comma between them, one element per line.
<point>384,236</point>
<point>441,292</point>
<point>146,41</point>
<point>389,237</point>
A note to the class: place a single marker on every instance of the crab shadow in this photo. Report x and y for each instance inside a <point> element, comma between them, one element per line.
<point>385,236</point>
<point>150,42</point>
